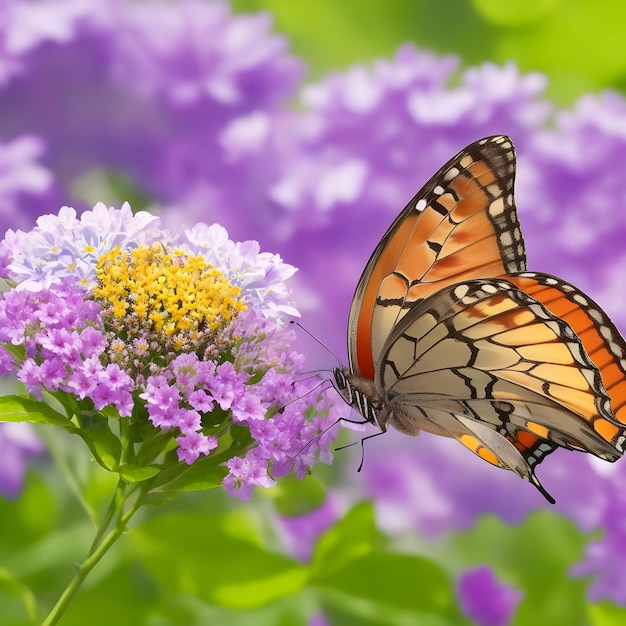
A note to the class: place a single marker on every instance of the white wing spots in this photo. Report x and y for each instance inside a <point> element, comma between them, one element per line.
<point>605,331</point>
<point>421,205</point>
<point>489,288</point>
<point>595,315</point>
<point>495,191</point>
<point>506,239</point>
<point>496,207</point>
<point>615,349</point>
<point>509,200</point>
<point>451,174</point>
<point>461,291</point>
<point>438,190</point>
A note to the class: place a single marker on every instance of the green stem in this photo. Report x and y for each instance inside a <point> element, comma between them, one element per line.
<point>54,447</point>
<point>99,548</point>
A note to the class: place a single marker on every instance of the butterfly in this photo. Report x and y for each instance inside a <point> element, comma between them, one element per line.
<point>450,334</point>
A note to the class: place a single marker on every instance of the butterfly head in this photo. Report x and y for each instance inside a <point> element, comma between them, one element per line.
<point>360,393</point>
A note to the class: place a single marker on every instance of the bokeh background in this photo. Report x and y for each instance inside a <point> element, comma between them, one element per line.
<point>307,126</point>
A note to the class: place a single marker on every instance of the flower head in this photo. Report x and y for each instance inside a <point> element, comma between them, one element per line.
<point>108,314</point>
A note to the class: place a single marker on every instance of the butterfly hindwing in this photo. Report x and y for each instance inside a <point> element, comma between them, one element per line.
<point>600,338</point>
<point>462,224</point>
<point>486,353</point>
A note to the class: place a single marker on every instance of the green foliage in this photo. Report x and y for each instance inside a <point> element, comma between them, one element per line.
<point>579,45</point>
<point>607,614</point>
<point>204,560</point>
<point>294,497</point>
<point>202,556</point>
<point>362,581</point>
<point>535,557</point>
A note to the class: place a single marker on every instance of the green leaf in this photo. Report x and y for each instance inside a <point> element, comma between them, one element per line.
<point>198,477</point>
<point>515,12</point>
<point>535,557</point>
<point>29,518</point>
<point>607,614</point>
<point>350,538</point>
<point>137,473</point>
<point>203,556</point>
<point>104,445</point>
<point>294,497</point>
<point>21,409</point>
<point>95,432</point>
<point>15,588</point>
<point>404,582</point>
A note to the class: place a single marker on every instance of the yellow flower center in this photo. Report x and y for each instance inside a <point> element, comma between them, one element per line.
<point>174,295</point>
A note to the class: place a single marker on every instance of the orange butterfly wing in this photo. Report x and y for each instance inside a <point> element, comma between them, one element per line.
<point>557,375</point>
<point>492,366</point>
<point>600,338</point>
<point>462,224</point>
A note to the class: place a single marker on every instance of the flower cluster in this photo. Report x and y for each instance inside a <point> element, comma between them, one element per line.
<point>107,314</point>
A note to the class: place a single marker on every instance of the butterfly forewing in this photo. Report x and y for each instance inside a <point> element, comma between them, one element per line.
<point>461,225</point>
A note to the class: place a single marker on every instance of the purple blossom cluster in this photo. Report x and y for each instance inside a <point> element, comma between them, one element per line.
<point>257,384</point>
<point>64,245</point>
<point>63,338</point>
<point>57,336</point>
<point>291,439</point>
<point>260,275</point>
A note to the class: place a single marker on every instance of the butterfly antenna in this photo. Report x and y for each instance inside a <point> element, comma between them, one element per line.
<point>311,374</point>
<point>317,341</point>
<point>319,386</point>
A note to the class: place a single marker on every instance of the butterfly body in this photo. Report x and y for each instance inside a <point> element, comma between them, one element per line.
<point>448,333</point>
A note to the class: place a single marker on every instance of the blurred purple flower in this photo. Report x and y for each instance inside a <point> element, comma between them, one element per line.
<point>302,531</point>
<point>369,139</point>
<point>485,600</point>
<point>26,187</point>
<point>18,443</point>
<point>572,199</point>
<point>605,557</point>
<point>171,95</point>
<point>319,619</point>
